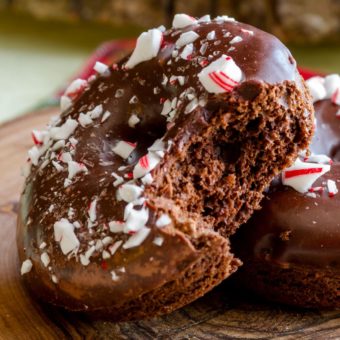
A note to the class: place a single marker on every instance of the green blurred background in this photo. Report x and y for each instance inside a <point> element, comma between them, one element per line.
<point>41,49</point>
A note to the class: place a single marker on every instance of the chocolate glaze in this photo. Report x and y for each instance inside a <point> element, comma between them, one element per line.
<point>291,228</point>
<point>261,57</point>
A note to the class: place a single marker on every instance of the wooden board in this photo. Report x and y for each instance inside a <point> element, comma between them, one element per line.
<point>223,313</point>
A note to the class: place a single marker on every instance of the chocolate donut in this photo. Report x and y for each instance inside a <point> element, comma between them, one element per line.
<point>291,247</point>
<point>134,190</point>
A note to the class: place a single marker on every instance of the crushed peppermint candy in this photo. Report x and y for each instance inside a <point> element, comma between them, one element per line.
<point>124,149</point>
<point>65,103</point>
<point>321,159</point>
<point>163,221</point>
<point>129,192</point>
<point>187,52</point>
<point>136,220</point>
<point>145,164</point>
<point>301,175</point>
<point>114,247</point>
<point>65,236</point>
<point>116,226</point>
<point>101,68</point>
<point>76,88</point>
<point>106,115</point>
<point>186,38</point>
<point>137,238</point>
<point>183,20</point>
<point>211,35</point>
<point>147,47</point>
<point>331,83</point>
<point>133,120</point>
<point>26,267</point>
<point>222,75</point>
<point>75,168</point>
<point>45,259</point>
<point>119,179</point>
<point>336,97</point>
<point>332,188</point>
<point>85,258</point>
<point>235,40</point>
<point>158,241</point>
<point>93,210</point>
<point>64,131</point>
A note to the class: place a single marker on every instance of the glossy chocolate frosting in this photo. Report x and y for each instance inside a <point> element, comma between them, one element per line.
<point>142,91</point>
<point>294,228</point>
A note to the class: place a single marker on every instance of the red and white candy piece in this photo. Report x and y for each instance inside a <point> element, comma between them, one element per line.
<point>186,38</point>
<point>222,75</point>
<point>75,168</point>
<point>332,188</point>
<point>301,175</point>
<point>65,236</point>
<point>183,20</point>
<point>137,239</point>
<point>124,149</point>
<point>147,47</point>
<point>187,52</point>
<point>26,267</point>
<point>38,137</point>
<point>145,164</point>
<point>76,88</point>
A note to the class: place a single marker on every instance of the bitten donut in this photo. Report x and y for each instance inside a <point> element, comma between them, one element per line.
<point>134,190</point>
<point>291,248</point>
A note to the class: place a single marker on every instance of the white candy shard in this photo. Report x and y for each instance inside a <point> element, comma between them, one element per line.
<point>133,120</point>
<point>65,236</point>
<point>158,241</point>
<point>205,18</point>
<point>332,83</point>
<point>222,75</point>
<point>187,52</point>
<point>119,179</point>
<point>74,168</point>
<point>124,149</point>
<point>163,221</point>
<point>321,159</point>
<point>45,259</point>
<point>235,40</point>
<point>106,115</point>
<point>331,187</point>
<point>38,136</point>
<point>100,67</point>
<point>65,103</point>
<point>93,210</point>
<point>96,112</point>
<point>316,88</point>
<point>136,220</point>
<point>85,258</point>
<point>147,179</point>
<point>301,175</point>
<point>114,276</point>
<point>34,155</point>
<point>183,20</point>
<point>26,267</point>
<point>147,47</point>
<point>137,239</point>
<point>64,131</point>
<point>116,226</point>
<point>115,247</point>
<point>145,164</point>
<point>186,38</point>
<point>224,18</point>
<point>211,35</point>
<point>84,119</point>
<point>129,192</point>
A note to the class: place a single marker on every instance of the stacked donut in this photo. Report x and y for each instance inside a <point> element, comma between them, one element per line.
<point>132,193</point>
<point>291,248</point>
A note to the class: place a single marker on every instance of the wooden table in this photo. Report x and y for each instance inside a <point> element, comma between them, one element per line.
<point>224,313</point>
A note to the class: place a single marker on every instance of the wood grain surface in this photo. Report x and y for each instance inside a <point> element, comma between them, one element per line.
<point>225,313</point>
